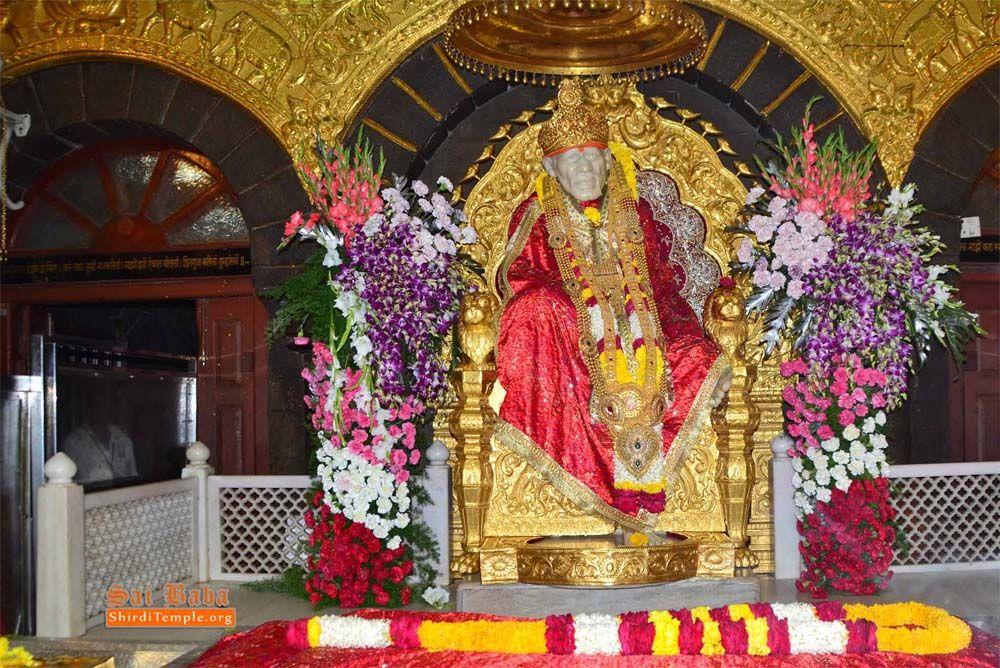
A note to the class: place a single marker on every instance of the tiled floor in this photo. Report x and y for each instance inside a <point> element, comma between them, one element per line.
<point>973,595</point>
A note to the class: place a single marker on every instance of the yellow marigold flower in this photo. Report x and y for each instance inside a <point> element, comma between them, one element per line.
<point>712,637</point>
<point>484,636</point>
<point>15,656</point>
<point>638,539</point>
<point>937,632</point>
<point>313,630</point>
<point>757,629</point>
<point>666,633</point>
<point>624,157</point>
<point>592,214</point>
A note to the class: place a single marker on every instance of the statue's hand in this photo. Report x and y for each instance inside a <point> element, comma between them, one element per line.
<point>725,382</point>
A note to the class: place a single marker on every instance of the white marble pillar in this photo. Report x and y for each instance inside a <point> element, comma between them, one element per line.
<point>786,535</point>
<point>60,589</point>
<point>437,514</point>
<point>197,467</point>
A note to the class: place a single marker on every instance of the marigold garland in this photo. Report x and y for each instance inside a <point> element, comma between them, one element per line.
<point>756,629</point>
<point>913,628</point>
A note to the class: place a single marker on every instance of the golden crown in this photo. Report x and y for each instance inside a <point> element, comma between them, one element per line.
<point>573,123</point>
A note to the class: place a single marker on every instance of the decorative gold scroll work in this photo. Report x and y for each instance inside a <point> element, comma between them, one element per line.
<point>303,66</point>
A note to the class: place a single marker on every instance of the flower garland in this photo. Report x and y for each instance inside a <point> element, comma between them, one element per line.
<point>846,279</point>
<point>378,301</point>
<point>755,629</point>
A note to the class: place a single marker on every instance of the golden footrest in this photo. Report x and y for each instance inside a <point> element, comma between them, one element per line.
<point>603,561</point>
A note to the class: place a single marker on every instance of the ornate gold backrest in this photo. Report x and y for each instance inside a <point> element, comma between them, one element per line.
<point>657,144</point>
<point>499,496</point>
<point>687,238</point>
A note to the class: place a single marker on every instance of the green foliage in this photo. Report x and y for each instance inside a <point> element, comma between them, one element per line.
<point>305,304</point>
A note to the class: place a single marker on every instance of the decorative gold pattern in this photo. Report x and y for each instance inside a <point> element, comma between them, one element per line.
<point>574,123</point>
<point>306,66</point>
<point>735,420</point>
<point>594,562</point>
<point>539,40</point>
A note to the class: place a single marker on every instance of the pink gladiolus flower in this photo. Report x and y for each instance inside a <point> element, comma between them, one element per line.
<point>293,224</point>
<point>812,205</point>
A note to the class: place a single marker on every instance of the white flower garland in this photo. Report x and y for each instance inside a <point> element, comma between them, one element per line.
<point>596,634</point>
<point>353,632</point>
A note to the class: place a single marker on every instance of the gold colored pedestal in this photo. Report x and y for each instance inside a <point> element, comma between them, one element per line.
<point>603,561</point>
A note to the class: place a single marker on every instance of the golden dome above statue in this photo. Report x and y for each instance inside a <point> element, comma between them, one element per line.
<point>538,41</point>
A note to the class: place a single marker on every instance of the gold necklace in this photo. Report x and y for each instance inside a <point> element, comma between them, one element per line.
<point>630,400</point>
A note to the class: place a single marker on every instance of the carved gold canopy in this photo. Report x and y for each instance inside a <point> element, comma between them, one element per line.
<point>539,40</point>
<point>504,498</point>
<point>303,66</point>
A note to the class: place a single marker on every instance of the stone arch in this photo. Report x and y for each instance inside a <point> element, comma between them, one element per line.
<point>949,157</point>
<point>76,104</point>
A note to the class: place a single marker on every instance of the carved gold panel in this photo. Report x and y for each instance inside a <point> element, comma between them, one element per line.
<point>307,65</point>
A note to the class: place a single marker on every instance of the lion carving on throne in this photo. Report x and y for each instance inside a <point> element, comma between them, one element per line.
<point>605,425</point>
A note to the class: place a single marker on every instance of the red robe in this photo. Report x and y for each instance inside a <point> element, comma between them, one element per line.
<point>545,414</point>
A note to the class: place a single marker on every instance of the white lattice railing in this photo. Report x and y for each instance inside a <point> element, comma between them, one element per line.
<point>950,515</point>
<point>201,527</point>
<point>256,527</point>
<point>140,538</point>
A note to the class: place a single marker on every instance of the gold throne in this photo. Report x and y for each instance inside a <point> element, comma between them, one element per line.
<point>721,501</point>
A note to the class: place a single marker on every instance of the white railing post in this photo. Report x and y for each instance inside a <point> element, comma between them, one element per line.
<point>60,589</point>
<point>437,514</point>
<point>786,535</point>
<point>197,456</point>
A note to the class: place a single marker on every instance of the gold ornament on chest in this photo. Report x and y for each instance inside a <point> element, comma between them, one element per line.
<point>603,266</point>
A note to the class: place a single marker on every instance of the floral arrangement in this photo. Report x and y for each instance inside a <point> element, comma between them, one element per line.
<point>845,278</point>
<point>756,629</point>
<point>836,271</point>
<point>847,525</point>
<point>376,303</point>
<point>848,543</point>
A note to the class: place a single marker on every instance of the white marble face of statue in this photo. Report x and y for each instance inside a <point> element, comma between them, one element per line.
<point>582,172</point>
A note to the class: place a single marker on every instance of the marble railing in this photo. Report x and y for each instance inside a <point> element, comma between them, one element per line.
<point>202,527</point>
<point>948,513</point>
